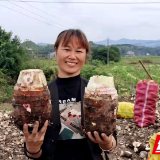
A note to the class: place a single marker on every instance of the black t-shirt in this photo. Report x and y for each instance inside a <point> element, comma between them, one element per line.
<point>72,144</point>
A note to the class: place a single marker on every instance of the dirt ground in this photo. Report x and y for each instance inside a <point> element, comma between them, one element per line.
<point>11,139</point>
<point>129,132</point>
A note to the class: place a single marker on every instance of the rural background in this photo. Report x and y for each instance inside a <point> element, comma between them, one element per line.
<point>123,65</point>
<point>120,33</point>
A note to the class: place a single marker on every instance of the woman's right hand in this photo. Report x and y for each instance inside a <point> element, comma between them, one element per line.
<point>35,139</point>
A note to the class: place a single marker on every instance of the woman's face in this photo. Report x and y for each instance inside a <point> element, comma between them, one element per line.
<point>70,59</point>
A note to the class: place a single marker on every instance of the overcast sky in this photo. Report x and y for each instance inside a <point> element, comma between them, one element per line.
<point>140,21</point>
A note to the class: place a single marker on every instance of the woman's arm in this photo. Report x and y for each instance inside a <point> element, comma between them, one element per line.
<point>107,143</point>
<point>36,156</point>
<point>109,146</point>
<point>34,141</point>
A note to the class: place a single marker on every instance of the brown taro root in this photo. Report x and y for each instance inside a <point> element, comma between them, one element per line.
<point>100,105</point>
<point>31,99</point>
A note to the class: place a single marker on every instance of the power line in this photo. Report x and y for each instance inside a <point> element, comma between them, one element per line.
<point>47,13</point>
<point>28,16</point>
<point>155,2</point>
<point>35,13</point>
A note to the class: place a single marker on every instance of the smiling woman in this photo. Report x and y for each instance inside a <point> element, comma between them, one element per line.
<point>71,48</point>
<point>64,138</point>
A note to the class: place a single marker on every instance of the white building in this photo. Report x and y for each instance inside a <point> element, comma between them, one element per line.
<point>130,54</point>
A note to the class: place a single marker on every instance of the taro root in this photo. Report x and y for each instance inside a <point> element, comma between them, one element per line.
<point>100,105</point>
<point>126,154</point>
<point>31,99</point>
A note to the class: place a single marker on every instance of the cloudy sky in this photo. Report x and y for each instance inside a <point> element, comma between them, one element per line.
<point>98,21</point>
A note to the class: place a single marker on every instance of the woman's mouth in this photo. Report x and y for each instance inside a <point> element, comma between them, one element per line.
<point>71,64</point>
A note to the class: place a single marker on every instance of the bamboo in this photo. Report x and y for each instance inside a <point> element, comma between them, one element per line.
<point>146,70</point>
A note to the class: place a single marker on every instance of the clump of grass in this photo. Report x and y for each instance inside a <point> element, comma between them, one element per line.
<point>6,107</point>
<point>147,61</point>
<point>6,91</point>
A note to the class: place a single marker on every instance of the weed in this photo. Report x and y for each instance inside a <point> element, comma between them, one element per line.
<point>6,91</point>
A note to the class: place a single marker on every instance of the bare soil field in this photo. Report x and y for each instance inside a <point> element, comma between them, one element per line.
<point>11,138</point>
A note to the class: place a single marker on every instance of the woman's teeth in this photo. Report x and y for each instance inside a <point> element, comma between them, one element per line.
<point>71,64</point>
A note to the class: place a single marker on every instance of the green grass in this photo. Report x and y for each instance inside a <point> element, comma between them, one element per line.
<point>6,106</point>
<point>39,63</point>
<point>126,74</point>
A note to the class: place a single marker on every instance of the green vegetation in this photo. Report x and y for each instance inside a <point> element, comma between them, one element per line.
<point>6,90</point>
<point>30,44</point>
<point>31,47</point>
<point>124,48</point>
<point>93,45</point>
<point>126,71</point>
<point>11,54</point>
<point>101,54</point>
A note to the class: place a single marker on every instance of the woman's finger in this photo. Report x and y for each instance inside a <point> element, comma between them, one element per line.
<point>35,129</point>
<point>91,137</point>
<point>43,129</point>
<point>97,137</point>
<point>106,138</point>
<point>25,130</point>
<point>84,131</point>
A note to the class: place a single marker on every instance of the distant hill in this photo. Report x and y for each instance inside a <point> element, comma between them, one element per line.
<point>38,49</point>
<point>124,48</point>
<point>128,48</point>
<point>138,50</point>
<point>145,43</point>
<point>42,44</point>
<point>93,45</point>
<point>30,44</point>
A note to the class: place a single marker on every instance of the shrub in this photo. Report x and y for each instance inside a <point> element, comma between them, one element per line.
<point>111,62</point>
<point>50,73</point>
<point>96,63</point>
<point>6,91</point>
<point>31,64</point>
<point>89,71</point>
<point>11,54</point>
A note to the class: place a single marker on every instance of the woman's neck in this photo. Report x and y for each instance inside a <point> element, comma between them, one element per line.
<point>67,75</point>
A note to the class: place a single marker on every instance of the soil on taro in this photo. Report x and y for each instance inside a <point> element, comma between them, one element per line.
<point>11,139</point>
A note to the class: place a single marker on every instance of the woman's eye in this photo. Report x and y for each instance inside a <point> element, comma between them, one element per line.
<point>66,49</point>
<point>79,51</point>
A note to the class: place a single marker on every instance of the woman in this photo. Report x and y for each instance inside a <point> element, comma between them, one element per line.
<point>63,139</point>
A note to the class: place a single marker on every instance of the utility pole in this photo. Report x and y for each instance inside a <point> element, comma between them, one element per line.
<point>108,51</point>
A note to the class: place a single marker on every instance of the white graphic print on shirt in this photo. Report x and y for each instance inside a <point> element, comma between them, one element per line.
<point>70,115</point>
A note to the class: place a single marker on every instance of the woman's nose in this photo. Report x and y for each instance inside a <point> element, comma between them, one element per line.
<point>72,55</point>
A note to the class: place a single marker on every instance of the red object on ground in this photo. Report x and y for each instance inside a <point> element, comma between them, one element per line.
<point>156,149</point>
<point>145,104</point>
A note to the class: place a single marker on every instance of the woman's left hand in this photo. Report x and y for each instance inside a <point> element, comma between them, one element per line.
<point>96,139</point>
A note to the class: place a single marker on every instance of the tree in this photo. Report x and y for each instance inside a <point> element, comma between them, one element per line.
<point>11,53</point>
<point>101,54</point>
